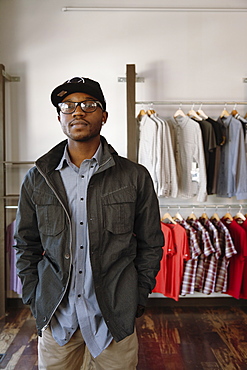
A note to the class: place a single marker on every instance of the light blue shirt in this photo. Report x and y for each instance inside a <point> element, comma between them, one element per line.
<point>79,306</point>
<point>232,177</point>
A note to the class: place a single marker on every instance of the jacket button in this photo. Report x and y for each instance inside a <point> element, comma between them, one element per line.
<point>66,256</point>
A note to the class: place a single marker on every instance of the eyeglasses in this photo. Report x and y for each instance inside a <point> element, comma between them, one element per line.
<point>88,106</point>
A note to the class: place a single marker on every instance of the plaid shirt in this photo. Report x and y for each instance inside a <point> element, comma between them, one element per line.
<point>206,250</point>
<point>211,262</point>
<point>227,251</point>
<point>190,266</point>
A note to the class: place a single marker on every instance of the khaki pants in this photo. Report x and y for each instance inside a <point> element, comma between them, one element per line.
<point>75,356</point>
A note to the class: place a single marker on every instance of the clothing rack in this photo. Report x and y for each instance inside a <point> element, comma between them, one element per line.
<point>132,146</point>
<point>131,109</point>
<point>4,77</point>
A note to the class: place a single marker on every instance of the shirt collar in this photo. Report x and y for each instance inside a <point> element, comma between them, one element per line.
<point>181,121</point>
<point>65,160</point>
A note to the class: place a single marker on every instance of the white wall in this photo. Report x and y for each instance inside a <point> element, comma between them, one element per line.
<point>182,55</point>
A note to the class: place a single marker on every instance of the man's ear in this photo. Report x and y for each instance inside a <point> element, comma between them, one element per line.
<point>104,116</point>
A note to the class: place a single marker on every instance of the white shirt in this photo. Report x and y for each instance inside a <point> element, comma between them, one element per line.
<point>147,150</point>
<point>165,164</point>
<point>189,156</point>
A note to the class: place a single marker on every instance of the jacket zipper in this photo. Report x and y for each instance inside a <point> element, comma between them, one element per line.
<point>49,184</point>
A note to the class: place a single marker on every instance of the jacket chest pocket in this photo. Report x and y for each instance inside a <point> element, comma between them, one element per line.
<point>50,214</point>
<point>119,210</point>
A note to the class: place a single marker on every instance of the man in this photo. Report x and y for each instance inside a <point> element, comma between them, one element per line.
<point>88,240</point>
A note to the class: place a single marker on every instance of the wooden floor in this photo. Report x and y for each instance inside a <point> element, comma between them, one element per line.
<point>171,337</point>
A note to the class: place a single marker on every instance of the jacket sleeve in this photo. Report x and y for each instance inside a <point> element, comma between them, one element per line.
<point>150,239</point>
<point>28,244</point>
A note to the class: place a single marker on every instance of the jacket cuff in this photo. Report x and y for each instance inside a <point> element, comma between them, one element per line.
<point>143,296</point>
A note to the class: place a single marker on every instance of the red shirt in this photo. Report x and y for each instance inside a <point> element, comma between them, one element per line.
<point>237,262</point>
<point>243,292</point>
<point>175,252</point>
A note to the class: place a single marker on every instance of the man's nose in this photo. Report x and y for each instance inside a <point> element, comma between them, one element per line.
<point>78,110</point>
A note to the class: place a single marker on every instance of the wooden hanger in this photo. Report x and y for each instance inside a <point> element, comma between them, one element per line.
<point>204,216</point>
<point>150,112</point>
<point>215,217</point>
<point>141,114</point>
<point>178,217</point>
<point>228,216</point>
<point>192,113</point>
<point>239,216</point>
<point>224,113</point>
<point>192,216</point>
<point>201,113</point>
<point>234,112</point>
<point>179,112</point>
<point>168,217</point>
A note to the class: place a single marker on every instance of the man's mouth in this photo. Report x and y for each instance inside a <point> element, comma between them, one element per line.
<point>75,122</point>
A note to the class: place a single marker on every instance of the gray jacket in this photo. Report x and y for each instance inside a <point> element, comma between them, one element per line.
<point>124,232</point>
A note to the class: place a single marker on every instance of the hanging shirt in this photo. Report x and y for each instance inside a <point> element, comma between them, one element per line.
<point>209,144</point>
<point>161,165</point>
<point>79,306</point>
<point>190,266</point>
<point>243,292</point>
<point>147,150</point>
<point>165,166</point>
<point>219,142</point>
<point>244,126</point>
<point>169,158</point>
<point>227,251</point>
<point>173,264</point>
<point>237,262</point>
<point>189,157</point>
<point>206,250</point>
<point>233,165</point>
<point>168,251</point>
<point>211,262</point>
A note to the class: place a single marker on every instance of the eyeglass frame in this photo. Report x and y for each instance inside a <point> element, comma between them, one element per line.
<point>98,104</point>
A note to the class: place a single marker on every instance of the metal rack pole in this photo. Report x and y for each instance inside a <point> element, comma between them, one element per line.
<point>2,192</point>
<point>191,102</point>
<point>131,123</point>
<point>151,9</point>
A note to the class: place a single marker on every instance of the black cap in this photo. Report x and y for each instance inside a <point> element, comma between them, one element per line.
<point>78,84</point>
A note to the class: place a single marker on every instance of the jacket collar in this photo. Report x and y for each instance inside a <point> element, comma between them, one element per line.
<point>49,161</point>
